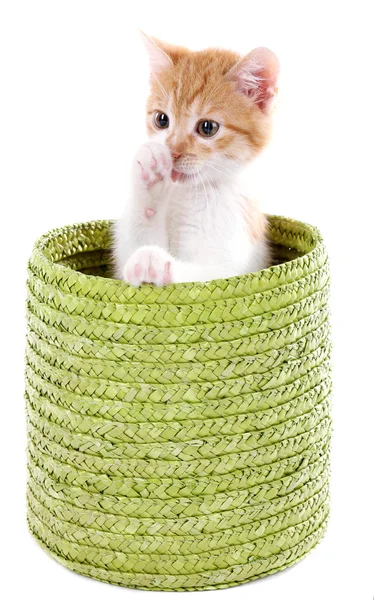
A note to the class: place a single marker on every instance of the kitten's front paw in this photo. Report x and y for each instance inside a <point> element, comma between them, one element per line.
<point>149,264</point>
<point>152,163</point>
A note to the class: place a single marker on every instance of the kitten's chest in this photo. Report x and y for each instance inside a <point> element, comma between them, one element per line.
<point>200,225</point>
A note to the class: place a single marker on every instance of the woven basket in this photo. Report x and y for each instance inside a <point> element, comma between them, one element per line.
<point>178,437</point>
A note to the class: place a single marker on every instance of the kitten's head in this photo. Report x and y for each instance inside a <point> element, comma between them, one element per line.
<point>211,108</point>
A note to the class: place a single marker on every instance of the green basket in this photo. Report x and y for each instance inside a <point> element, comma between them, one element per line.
<point>178,437</point>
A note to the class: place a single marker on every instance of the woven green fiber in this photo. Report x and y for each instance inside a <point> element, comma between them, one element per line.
<point>178,437</point>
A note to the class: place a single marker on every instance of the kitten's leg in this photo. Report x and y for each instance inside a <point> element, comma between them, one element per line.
<point>144,218</point>
<point>149,264</point>
<point>146,239</point>
<point>151,191</point>
<point>152,264</point>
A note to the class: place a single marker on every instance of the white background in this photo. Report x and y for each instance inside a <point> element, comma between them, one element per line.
<point>73,78</point>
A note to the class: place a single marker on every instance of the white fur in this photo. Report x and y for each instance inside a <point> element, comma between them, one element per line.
<point>196,230</point>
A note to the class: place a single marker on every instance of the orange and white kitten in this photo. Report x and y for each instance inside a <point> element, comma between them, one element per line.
<point>208,115</point>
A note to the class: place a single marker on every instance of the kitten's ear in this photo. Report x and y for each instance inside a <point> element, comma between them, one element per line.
<point>256,76</point>
<point>161,55</point>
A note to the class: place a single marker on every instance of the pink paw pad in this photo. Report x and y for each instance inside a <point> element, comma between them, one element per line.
<point>156,179</point>
<point>152,272</point>
<point>149,212</point>
<point>167,273</point>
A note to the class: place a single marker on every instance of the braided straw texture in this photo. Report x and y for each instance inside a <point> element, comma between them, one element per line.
<point>178,437</point>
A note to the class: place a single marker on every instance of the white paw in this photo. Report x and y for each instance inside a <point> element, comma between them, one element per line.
<point>152,163</point>
<point>149,264</point>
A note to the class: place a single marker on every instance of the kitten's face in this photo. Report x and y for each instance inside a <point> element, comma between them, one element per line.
<point>211,108</point>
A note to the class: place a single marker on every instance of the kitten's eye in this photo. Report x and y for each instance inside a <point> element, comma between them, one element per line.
<point>207,128</point>
<point>161,120</point>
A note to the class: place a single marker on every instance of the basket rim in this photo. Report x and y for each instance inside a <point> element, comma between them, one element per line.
<point>121,292</point>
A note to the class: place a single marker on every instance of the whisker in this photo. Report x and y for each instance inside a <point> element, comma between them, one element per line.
<point>196,189</point>
<point>211,184</point>
<point>195,180</point>
<point>222,169</point>
<point>206,196</point>
<point>217,170</point>
<point>212,204</point>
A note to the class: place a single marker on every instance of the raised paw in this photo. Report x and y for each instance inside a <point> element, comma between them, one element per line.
<point>152,163</point>
<point>149,264</point>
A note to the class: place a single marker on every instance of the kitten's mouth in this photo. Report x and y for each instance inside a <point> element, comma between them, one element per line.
<point>179,176</point>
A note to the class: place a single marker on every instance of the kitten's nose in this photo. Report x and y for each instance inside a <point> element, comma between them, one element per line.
<point>176,155</point>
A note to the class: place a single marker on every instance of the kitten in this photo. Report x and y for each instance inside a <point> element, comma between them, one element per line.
<point>208,115</point>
